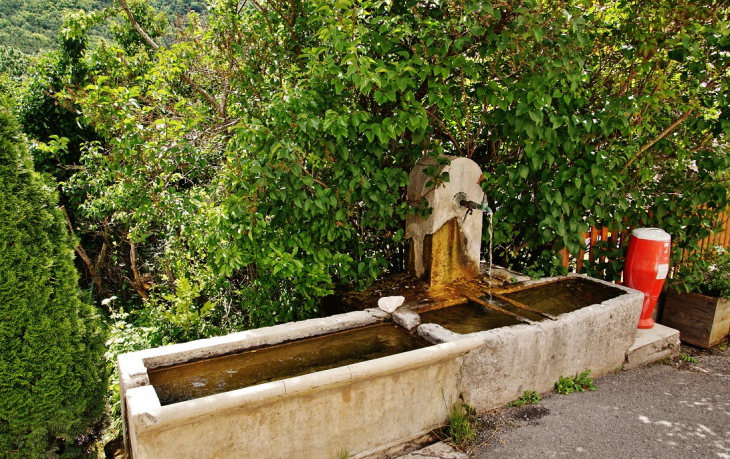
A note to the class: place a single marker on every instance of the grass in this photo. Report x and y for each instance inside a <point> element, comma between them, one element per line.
<point>529,396</point>
<point>688,358</point>
<point>578,383</point>
<point>462,427</point>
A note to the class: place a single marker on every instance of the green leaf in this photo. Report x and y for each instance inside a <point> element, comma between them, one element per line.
<point>524,171</point>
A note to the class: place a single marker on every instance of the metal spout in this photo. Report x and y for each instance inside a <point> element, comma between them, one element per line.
<point>483,206</point>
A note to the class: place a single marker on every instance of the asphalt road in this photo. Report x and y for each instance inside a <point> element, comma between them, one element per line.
<point>660,411</point>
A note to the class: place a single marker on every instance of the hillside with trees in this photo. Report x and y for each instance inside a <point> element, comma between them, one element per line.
<point>32,26</point>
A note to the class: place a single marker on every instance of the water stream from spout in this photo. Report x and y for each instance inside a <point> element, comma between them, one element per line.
<point>491,236</point>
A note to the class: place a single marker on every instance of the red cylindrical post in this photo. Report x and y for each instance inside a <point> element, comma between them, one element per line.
<point>646,267</point>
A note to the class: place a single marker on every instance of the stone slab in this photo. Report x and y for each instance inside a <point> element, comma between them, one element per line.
<point>650,345</point>
<point>406,318</point>
<point>438,450</point>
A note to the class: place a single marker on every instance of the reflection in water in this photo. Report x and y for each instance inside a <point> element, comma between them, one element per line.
<point>249,368</point>
<point>565,296</point>
<point>471,317</point>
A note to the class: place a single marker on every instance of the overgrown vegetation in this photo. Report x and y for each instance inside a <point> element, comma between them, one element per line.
<point>274,169</point>
<point>52,379</point>
<point>578,383</point>
<point>527,397</point>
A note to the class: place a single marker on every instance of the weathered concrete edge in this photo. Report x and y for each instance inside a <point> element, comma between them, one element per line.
<point>153,416</point>
<point>660,342</point>
<point>132,367</point>
<point>235,342</point>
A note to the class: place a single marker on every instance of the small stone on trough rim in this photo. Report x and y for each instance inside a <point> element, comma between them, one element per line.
<point>390,303</point>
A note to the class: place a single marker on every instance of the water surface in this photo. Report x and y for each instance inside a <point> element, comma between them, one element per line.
<point>565,296</point>
<point>221,374</point>
<point>472,317</point>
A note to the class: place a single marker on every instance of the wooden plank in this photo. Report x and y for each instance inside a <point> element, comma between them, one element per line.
<point>565,257</point>
<point>721,323</point>
<point>581,254</point>
<point>694,316</point>
<point>722,313</point>
<point>594,237</point>
<point>703,243</point>
<point>517,304</point>
<point>720,239</point>
<point>604,237</point>
<point>497,308</point>
<point>423,307</point>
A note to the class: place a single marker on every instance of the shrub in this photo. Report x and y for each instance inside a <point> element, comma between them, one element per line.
<point>52,379</point>
<point>706,272</point>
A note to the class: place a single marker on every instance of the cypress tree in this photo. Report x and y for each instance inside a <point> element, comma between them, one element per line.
<point>52,376</point>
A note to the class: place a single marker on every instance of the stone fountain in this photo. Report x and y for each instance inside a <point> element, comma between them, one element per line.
<point>366,406</point>
<point>445,246</point>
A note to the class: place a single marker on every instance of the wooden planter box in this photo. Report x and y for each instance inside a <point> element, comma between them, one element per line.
<point>701,320</point>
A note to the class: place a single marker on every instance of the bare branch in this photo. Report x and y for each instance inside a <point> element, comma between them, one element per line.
<point>82,254</point>
<point>138,282</point>
<point>663,134</point>
<point>446,131</point>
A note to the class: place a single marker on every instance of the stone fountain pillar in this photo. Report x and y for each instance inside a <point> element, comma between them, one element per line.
<point>446,245</point>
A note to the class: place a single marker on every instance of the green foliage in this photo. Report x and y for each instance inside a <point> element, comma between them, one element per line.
<point>124,337</point>
<point>462,424</point>
<point>578,383</point>
<point>43,117</point>
<point>688,358</point>
<point>51,380</point>
<point>708,273</point>
<point>529,396</point>
<point>151,21</point>
<point>13,63</point>
<point>13,67</point>
<point>583,131</point>
<point>270,147</point>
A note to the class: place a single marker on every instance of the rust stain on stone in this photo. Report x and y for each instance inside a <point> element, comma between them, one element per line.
<point>444,255</point>
<point>346,394</point>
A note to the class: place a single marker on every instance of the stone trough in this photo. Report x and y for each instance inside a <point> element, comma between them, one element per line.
<point>367,407</point>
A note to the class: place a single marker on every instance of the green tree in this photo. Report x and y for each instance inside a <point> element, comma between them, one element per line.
<point>13,63</point>
<point>270,146</point>
<point>52,379</point>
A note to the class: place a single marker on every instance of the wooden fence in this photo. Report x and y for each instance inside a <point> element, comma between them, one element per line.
<point>617,239</point>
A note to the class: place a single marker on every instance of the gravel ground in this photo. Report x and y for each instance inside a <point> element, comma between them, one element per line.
<point>674,409</point>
